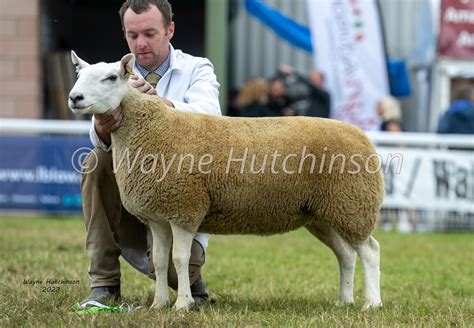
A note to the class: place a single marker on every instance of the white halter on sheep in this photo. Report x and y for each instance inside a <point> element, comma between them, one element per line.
<point>336,205</point>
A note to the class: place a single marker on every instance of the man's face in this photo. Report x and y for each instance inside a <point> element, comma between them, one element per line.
<point>277,88</point>
<point>147,37</point>
<point>316,78</point>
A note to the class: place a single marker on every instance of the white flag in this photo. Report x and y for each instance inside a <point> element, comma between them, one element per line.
<point>349,50</point>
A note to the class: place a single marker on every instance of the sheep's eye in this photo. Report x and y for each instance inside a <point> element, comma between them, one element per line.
<point>112,78</point>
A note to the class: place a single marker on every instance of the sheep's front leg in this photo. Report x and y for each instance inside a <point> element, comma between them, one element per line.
<point>182,240</point>
<point>161,232</point>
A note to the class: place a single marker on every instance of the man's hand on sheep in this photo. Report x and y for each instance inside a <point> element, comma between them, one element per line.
<point>106,123</point>
<point>144,87</point>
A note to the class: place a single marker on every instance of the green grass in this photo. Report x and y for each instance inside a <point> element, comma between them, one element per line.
<point>285,280</point>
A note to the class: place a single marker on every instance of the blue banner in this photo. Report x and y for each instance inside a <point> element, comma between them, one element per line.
<point>293,32</point>
<point>42,173</point>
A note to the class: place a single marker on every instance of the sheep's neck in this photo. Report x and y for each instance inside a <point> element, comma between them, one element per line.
<point>139,112</point>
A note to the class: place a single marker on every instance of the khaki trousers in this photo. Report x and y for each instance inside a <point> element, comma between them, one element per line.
<point>111,231</point>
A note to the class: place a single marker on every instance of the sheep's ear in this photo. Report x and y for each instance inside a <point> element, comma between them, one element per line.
<point>78,62</point>
<point>126,65</point>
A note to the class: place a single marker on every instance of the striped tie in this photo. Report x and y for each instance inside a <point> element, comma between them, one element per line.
<point>153,79</point>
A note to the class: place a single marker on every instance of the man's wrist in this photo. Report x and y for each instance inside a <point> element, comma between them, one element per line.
<point>168,102</point>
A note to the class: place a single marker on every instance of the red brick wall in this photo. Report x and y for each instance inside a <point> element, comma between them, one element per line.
<point>20,84</point>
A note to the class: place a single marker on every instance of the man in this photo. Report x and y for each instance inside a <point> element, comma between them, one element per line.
<point>278,102</point>
<point>459,118</point>
<point>182,81</point>
<point>306,94</point>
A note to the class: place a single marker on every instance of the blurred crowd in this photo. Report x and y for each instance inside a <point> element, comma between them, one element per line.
<point>288,93</point>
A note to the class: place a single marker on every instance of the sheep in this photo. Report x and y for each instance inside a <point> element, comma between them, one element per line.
<point>184,173</point>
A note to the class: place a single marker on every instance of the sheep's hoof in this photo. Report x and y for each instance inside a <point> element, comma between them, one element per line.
<point>344,303</point>
<point>184,304</point>
<point>158,305</point>
<point>373,305</point>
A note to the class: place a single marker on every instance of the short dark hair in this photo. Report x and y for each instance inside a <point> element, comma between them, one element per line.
<point>139,6</point>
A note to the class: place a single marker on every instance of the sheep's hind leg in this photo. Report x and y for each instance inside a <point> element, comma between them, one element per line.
<point>369,253</point>
<point>161,232</point>
<point>182,240</point>
<point>346,257</point>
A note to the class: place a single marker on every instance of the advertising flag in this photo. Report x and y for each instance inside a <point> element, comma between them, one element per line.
<point>348,38</point>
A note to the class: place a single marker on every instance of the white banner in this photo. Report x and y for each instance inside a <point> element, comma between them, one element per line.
<point>428,179</point>
<point>348,49</point>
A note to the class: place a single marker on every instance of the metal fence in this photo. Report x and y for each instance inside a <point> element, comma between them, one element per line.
<point>434,190</point>
<point>403,220</point>
<point>437,214</point>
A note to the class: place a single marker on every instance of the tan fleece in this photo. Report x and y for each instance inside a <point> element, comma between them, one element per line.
<point>233,202</point>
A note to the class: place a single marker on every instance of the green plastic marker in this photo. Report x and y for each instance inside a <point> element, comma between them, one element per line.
<point>93,307</point>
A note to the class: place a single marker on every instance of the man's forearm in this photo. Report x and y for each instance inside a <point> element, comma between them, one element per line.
<point>104,136</point>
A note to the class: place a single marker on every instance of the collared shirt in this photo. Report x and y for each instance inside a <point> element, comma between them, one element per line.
<point>160,70</point>
<point>189,83</point>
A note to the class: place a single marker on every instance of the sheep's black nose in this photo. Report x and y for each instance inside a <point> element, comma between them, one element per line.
<point>76,97</point>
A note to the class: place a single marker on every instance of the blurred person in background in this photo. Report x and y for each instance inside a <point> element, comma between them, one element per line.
<point>459,118</point>
<point>232,103</point>
<point>306,93</point>
<point>253,99</point>
<point>279,102</point>
<point>388,108</point>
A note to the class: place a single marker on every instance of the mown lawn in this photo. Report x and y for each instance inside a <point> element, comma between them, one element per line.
<point>285,280</point>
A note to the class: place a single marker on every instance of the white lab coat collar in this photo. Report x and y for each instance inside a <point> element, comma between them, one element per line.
<point>173,62</point>
<point>174,65</point>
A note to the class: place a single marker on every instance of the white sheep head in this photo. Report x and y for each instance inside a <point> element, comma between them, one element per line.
<point>99,87</point>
